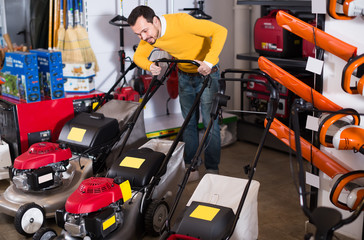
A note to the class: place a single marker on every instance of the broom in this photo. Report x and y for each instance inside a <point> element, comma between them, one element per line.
<point>61,29</point>
<point>71,51</point>
<point>82,35</point>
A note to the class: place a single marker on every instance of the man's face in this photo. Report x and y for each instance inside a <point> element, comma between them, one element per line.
<point>146,31</point>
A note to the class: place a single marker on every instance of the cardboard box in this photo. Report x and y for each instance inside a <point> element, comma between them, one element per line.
<point>75,70</point>
<point>20,72</point>
<point>50,73</point>
<point>80,85</point>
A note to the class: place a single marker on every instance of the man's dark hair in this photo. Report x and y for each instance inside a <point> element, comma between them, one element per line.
<point>142,10</point>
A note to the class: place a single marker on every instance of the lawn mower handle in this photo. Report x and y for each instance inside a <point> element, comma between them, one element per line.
<point>272,86</point>
<point>166,60</point>
<point>106,96</point>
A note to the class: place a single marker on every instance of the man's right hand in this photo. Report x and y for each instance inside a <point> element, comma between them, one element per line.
<point>154,69</point>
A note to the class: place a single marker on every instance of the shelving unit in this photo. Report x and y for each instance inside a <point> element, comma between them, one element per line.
<point>249,124</point>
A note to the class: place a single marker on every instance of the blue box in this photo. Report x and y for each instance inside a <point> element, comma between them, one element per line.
<point>20,72</point>
<point>50,73</point>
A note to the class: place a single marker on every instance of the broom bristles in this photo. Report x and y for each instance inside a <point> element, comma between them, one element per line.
<point>85,46</point>
<point>71,51</point>
<point>60,42</point>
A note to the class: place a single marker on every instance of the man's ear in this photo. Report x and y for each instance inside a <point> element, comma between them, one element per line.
<point>155,20</point>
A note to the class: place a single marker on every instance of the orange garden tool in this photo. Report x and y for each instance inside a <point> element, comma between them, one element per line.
<point>332,11</point>
<point>350,9</point>
<point>329,43</point>
<point>349,137</point>
<point>297,86</point>
<point>348,71</point>
<point>353,8</point>
<point>336,130</point>
<point>343,177</point>
<point>316,36</point>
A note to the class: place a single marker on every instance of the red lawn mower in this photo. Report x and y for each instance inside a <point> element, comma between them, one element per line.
<point>43,177</point>
<point>135,195</point>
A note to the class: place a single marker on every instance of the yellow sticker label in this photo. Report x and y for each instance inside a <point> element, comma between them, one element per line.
<point>108,222</point>
<point>94,105</point>
<point>132,162</point>
<point>125,190</point>
<point>204,212</point>
<point>76,134</point>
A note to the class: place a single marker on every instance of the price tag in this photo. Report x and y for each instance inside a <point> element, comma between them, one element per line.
<point>318,6</point>
<point>314,65</point>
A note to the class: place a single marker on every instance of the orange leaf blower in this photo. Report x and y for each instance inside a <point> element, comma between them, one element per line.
<point>331,44</point>
<point>348,136</point>
<point>343,177</point>
<point>350,9</point>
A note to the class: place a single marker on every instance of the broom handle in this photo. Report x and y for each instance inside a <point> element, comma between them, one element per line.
<point>50,24</point>
<point>55,22</point>
<point>82,20</point>
<point>61,21</point>
<point>69,14</point>
<point>76,13</point>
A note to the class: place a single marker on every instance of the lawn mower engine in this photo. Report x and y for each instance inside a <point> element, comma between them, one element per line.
<point>93,210</point>
<point>42,167</point>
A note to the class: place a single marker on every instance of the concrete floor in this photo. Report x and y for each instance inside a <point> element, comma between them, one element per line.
<point>280,216</point>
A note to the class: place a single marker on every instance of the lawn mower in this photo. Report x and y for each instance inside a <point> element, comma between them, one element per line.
<point>134,197</point>
<point>216,209</point>
<point>43,177</point>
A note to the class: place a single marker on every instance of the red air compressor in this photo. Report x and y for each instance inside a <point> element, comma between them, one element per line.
<point>127,94</point>
<point>272,40</point>
<point>308,48</point>
<point>258,95</point>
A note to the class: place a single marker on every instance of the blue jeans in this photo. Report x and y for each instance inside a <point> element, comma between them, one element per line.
<point>189,87</point>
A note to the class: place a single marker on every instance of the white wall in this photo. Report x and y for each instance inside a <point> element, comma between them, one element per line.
<point>104,40</point>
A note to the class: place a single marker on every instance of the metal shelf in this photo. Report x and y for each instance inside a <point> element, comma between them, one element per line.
<point>303,3</point>
<point>282,62</point>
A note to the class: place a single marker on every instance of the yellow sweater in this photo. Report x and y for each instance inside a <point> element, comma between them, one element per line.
<point>185,38</point>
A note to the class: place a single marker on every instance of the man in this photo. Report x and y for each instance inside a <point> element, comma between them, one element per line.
<point>185,37</point>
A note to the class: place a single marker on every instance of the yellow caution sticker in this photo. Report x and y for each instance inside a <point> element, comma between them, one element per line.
<point>76,134</point>
<point>132,162</point>
<point>108,222</point>
<point>204,212</point>
<point>125,190</point>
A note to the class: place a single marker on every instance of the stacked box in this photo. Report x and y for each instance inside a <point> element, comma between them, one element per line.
<point>50,73</point>
<point>79,77</point>
<point>20,72</point>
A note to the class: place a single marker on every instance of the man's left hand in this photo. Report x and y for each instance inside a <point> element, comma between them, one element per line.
<point>203,69</point>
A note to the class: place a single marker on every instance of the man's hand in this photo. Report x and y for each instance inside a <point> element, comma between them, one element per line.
<point>155,70</point>
<point>204,69</point>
